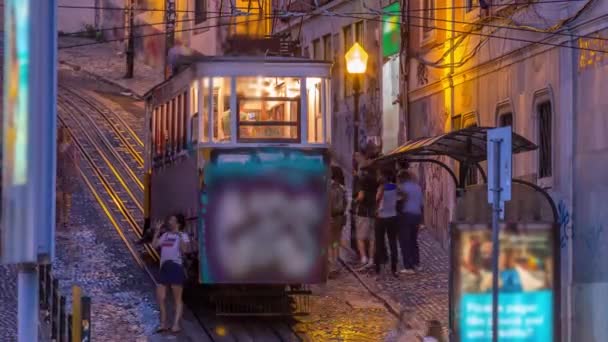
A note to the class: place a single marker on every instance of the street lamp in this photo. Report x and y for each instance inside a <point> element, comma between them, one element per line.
<point>356,63</point>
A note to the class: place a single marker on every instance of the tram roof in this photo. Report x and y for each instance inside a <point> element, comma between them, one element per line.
<point>465,145</point>
<point>226,66</point>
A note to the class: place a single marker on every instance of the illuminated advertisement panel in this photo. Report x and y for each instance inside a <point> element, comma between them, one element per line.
<point>526,283</point>
<point>264,216</point>
<point>17,235</point>
<point>391,30</point>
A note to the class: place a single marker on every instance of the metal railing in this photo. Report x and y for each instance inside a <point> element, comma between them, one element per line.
<point>64,326</point>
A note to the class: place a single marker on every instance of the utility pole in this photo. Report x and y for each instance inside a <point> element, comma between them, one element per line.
<point>131,41</point>
<point>170,30</point>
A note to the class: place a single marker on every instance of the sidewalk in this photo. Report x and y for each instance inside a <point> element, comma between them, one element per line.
<point>107,62</point>
<point>425,295</point>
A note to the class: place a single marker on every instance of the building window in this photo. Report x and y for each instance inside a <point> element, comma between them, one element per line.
<point>316,49</point>
<point>505,119</point>
<point>359,33</point>
<point>428,20</point>
<point>545,160</point>
<point>347,33</point>
<point>471,5</point>
<point>200,11</point>
<point>327,53</point>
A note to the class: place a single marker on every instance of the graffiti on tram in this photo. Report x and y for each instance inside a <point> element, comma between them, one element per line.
<point>263,219</point>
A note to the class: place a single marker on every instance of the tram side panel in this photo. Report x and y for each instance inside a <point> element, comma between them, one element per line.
<point>173,190</point>
<point>264,216</point>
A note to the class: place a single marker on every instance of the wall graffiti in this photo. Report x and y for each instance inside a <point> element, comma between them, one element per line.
<point>566,230</point>
<point>264,214</point>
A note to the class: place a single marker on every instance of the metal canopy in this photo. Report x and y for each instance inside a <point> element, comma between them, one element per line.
<point>466,145</point>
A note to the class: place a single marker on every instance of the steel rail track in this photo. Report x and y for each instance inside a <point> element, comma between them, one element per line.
<point>130,141</point>
<point>216,329</point>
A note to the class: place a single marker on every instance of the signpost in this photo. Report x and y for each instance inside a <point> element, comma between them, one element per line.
<point>29,148</point>
<point>499,190</point>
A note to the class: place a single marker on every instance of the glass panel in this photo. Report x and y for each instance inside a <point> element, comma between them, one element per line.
<point>203,120</point>
<point>269,108</point>
<point>545,162</point>
<point>328,110</point>
<point>327,53</point>
<point>315,112</point>
<point>221,109</point>
<point>316,49</point>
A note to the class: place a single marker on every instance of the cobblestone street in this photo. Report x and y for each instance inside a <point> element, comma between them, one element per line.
<point>425,295</point>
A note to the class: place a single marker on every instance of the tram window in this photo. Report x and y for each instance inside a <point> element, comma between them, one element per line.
<point>221,109</point>
<point>315,110</point>
<point>185,119</point>
<point>268,109</point>
<point>203,121</point>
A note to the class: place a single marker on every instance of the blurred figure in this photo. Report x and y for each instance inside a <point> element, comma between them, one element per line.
<point>410,217</point>
<point>173,244</point>
<point>338,215</point>
<point>67,175</point>
<point>386,222</point>
<point>365,214</point>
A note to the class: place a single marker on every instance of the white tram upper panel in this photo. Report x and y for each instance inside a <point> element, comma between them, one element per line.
<point>228,101</point>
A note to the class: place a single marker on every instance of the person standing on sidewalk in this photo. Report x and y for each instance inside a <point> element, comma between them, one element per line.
<point>338,216</point>
<point>365,215</point>
<point>386,222</point>
<point>410,218</point>
<point>173,245</point>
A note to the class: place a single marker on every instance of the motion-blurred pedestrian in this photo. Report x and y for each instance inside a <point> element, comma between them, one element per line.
<point>338,215</point>
<point>67,175</point>
<point>173,244</point>
<point>410,217</point>
<point>386,221</point>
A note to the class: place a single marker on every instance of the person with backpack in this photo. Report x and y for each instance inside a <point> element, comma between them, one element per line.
<point>338,215</point>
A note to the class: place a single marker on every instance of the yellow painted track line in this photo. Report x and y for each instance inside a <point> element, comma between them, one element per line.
<point>111,192</point>
<point>105,209</point>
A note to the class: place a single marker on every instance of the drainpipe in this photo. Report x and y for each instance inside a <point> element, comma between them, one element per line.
<point>404,64</point>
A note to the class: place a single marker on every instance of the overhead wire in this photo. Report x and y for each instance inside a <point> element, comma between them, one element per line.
<point>540,42</point>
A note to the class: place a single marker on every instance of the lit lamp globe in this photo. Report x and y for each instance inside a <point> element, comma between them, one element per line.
<point>356,60</point>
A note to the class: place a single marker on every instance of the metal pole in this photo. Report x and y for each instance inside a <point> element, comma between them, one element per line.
<point>131,42</point>
<point>27,307</point>
<point>495,241</point>
<point>356,93</point>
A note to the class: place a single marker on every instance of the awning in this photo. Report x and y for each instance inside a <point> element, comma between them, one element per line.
<point>465,145</point>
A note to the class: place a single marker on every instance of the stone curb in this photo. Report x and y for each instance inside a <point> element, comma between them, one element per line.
<point>77,67</point>
<point>393,307</point>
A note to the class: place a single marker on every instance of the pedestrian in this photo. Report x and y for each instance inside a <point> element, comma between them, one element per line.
<point>67,175</point>
<point>365,215</point>
<point>410,217</point>
<point>173,244</point>
<point>386,221</point>
<point>338,216</point>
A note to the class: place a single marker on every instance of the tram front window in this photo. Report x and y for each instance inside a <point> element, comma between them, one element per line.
<point>268,109</point>
<point>221,109</point>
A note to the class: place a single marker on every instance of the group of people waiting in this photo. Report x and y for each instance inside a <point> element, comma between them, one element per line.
<point>387,206</point>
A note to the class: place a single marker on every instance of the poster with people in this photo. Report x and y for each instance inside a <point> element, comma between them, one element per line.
<point>525,280</point>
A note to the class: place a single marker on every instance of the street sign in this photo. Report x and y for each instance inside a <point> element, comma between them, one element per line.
<point>501,136</point>
<point>29,125</point>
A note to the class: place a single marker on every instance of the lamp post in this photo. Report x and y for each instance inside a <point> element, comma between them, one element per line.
<point>356,64</point>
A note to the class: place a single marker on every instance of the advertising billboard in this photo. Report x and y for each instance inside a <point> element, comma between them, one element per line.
<point>527,282</point>
<point>265,216</point>
<point>391,30</point>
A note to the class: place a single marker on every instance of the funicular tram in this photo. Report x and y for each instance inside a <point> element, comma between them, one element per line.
<point>240,145</point>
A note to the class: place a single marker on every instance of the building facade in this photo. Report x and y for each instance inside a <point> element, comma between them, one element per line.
<point>537,67</point>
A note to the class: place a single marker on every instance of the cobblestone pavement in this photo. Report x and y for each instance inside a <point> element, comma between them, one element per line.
<point>90,254</point>
<point>8,302</point>
<point>108,62</point>
<point>343,310</point>
<point>425,295</point>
